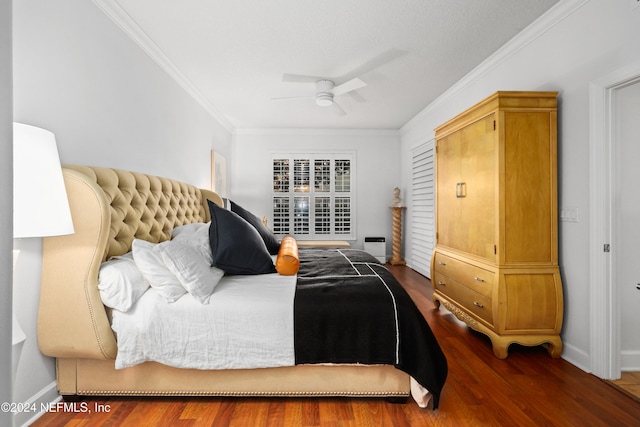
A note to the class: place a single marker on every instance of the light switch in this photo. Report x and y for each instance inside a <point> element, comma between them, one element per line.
<point>569,214</point>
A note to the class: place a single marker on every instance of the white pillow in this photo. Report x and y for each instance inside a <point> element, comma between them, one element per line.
<point>150,263</point>
<point>191,268</point>
<point>121,283</point>
<point>195,235</point>
<point>187,229</point>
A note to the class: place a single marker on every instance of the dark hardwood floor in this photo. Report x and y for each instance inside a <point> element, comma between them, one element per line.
<point>527,389</point>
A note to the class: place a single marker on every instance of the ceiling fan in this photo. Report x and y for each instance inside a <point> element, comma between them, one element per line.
<point>327,88</point>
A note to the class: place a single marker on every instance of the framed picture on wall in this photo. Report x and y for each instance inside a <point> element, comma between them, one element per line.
<point>218,174</point>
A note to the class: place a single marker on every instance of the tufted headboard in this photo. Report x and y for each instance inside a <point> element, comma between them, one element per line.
<point>109,208</point>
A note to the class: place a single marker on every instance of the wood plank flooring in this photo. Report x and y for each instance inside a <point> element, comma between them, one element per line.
<point>527,389</point>
<point>629,382</point>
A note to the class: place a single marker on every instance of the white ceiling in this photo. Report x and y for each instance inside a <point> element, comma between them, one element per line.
<point>232,54</point>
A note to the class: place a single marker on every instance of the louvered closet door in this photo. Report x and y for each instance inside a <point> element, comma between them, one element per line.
<point>422,219</point>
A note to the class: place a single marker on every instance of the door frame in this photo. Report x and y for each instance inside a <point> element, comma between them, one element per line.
<point>603,145</point>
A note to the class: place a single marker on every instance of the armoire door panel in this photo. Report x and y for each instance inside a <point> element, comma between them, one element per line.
<point>479,177</point>
<point>466,191</point>
<point>528,188</point>
<point>447,204</point>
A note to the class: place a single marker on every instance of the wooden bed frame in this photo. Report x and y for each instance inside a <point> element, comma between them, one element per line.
<point>109,208</point>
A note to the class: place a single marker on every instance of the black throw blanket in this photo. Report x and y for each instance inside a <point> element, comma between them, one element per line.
<point>349,308</point>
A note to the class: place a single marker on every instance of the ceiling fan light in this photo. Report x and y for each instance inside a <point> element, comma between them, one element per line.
<point>324,99</point>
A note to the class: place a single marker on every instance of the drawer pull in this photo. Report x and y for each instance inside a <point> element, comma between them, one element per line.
<point>442,263</point>
<point>477,304</point>
<point>476,278</point>
<point>441,283</point>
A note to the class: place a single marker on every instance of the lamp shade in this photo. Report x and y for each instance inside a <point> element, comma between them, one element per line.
<point>40,204</point>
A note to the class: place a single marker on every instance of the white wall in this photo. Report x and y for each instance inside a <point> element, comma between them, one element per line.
<point>575,43</point>
<point>6,213</point>
<point>377,169</point>
<point>108,103</point>
<point>77,74</point>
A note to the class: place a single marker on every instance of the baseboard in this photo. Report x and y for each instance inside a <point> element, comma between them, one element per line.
<point>37,405</point>
<point>576,357</point>
<point>630,361</point>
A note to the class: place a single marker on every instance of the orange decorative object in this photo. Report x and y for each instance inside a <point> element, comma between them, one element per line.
<point>288,262</point>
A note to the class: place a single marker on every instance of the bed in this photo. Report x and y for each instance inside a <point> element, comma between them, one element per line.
<point>115,210</point>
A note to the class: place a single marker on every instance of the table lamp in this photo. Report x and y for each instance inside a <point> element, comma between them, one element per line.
<point>40,205</point>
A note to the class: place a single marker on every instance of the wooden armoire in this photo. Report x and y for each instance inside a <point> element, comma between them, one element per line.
<point>495,263</point>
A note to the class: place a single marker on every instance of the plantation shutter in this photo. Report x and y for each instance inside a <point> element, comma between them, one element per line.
<point>313,195</point>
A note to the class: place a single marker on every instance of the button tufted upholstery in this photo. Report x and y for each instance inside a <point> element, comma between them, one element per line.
<point>144,206</point>
<point>109,208</point>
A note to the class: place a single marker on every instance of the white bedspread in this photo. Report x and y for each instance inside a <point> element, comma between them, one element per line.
<point>248,323</point>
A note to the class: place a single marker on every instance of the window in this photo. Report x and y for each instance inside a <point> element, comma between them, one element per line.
<point>313,195</point>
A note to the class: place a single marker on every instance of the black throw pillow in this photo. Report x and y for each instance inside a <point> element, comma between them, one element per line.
<point>236,245</point>
<point>270,240</point>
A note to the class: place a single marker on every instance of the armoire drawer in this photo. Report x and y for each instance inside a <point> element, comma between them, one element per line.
<point>472,301</point>
<point>476,278</point>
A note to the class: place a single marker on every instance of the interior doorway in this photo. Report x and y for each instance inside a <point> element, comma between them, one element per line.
<point>613,135</point>
<point>626,219</point>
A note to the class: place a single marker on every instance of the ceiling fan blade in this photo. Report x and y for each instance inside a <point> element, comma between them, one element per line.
<point>300,78</point>
<point>376,62</point>
<point>348,86</point>
<point>356,97</point>
<point>291,97</point>
<point>338,109</point>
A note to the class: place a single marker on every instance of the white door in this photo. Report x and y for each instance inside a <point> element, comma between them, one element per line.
<point>626,217</point>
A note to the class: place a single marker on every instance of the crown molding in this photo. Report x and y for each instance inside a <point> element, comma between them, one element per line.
<point>544,23</point>
<point>317,131</point>
<point>113,10</point>
<point>548,20</point>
